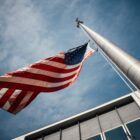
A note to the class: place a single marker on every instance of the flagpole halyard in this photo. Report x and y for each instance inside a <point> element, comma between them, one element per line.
<point>118,71</point>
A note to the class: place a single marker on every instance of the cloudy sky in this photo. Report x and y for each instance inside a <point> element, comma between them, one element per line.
<point>35,29</point>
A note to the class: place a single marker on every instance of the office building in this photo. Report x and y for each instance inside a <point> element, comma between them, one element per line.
<point>118,119</point>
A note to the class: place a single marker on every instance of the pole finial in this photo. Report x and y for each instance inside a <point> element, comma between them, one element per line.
<point>78,22</point>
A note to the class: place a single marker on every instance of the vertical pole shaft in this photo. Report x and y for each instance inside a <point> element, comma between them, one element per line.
<point>125,62</point>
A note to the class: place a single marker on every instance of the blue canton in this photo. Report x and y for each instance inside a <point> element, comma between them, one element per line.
<point>75,55</point>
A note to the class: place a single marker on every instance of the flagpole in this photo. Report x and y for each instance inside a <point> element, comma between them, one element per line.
<point>127,64</point>
<point>118,71</point>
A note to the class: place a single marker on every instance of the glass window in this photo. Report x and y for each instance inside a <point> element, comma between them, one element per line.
<point>98,137</point>
<point>134,128</point>
<point>116,134</point>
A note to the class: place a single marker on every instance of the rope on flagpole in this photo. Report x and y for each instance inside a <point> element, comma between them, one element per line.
<point>116,69</point>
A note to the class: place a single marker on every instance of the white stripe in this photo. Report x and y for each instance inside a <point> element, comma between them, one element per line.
<point>62,83</point>
<point>33,82</point>
<point>16,93</point>
<point>88,53</point>
<point>2,92</point>
<point>58,65</point>
<point>24,101</point>
<point>49,73</point>
<point>60,55</point>
<point>52,63</point>
<point>7,105</point>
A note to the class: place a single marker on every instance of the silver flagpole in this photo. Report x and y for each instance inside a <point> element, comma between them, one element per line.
<point>118,71</point>
<point>127,64</point>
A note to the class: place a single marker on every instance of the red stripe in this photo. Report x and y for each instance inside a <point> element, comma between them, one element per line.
<point>57,88</point>
<point>32,88</point>
<point>6,96</point>
<point>34,94</point>
<point>40,76</point>
<point>56,59</point>
<point>52,68</point>
<point>17,101</point>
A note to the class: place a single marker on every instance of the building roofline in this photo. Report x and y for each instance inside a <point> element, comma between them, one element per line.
<point>79,117</point>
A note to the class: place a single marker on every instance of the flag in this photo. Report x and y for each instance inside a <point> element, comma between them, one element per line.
<point>19,88</point>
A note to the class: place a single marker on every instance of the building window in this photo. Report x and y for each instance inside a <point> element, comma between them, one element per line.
<point>134,128</point>
<point>98,137</point>
<point>116,134</point>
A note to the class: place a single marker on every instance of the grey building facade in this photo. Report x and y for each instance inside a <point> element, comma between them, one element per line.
<point>116,120</point>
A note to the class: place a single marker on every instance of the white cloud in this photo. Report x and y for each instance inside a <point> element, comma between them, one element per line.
<point>23,34</point>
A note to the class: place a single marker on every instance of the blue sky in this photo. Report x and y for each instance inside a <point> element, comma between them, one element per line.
<point>35,29</point>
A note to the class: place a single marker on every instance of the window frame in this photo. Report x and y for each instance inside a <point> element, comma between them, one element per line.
<point>95,136</point>
<point>131,122</point>
<point>116,128</point>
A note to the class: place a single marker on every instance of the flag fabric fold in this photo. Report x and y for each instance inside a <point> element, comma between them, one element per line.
<point>19,88</point>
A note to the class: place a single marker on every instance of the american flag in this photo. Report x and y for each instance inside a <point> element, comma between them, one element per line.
<point>19,88</point>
